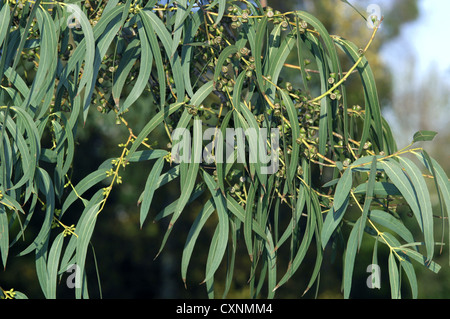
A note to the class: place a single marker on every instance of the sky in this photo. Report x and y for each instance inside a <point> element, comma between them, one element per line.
<point>427,41</point>
<point>427,37</point>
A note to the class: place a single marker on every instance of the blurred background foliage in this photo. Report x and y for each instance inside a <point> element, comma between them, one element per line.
<point>124,255</point>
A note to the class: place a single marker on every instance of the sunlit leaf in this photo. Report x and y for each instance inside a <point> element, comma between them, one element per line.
<point>424,136</point>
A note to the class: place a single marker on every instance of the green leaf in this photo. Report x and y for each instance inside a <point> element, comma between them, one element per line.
<point>229,50</point>
<point>151,125</point>
<point>89,44</point>
<point>405,263</point>
<point>4,17</point>
<point>368,199</point>
<point>278,58</point>
<point>193,234</point>
<point>379,189</point>
<point>4,234</point>
<point>238,211</point>
<point>440,178</point>
<point>261,34</point>
<point>168,44</point>
<point>424,136</point>
<point>223,226</point>
<point>395,173</point>
<point>301,44</point>
<point>272,266</point>
<point>45,185</point>
<point>179,18</point>
<point>53,263</point>
<point>188,184</point>
<point>295,127</point>
<point>86,183</point>
<point>339,207</point>
<point>221,10</point>
<point>325,36</point>
<point>373,110</point>
<point>387,220</point>
<point>190,29</point>
<point>47,62</point>
<point>248,219</point>
<point>147,155</point>
<point>153,41</point>
<point>349,258</point>
<point>128,61</point>
<point>424,202</point>
<point>413,254</point>
<point>41,266</point>
<point>412,277</point>
<point>34,146</point>
<point>307,238</point>
<point>394,278</point>
<point>84,230</point>
<point>150,187</point>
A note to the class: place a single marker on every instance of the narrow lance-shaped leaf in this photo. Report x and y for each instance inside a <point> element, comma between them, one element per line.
<point>257,52</point>
<point>4,17</point>
<point>4,235</point>
<point>373,110</point>
<point>180,15</point>
<point>86,183</point>
<point>47,64</point>
<point>46,187</point>
<point>128,61</point>
<point>85,228</point>
<point>394,277</point>
<point>167,42</point>
<point>154,45</point>
<point>424,136</point>
<point>405,263</point>
<point>229,50</point>
<point>339,207</point>
<point>144,71</point>
<point>441,179</point>
<point>248,220</point>
<point>424,202</point>
<point>368,199</point>
<point>387,220</point>
<point>150,187</point>
<point>395,173</point>
<point>349,258</point>
<point>90,44</point>
<point>193,234</point>
<point>151,125</point>
<point>272,266</point>
<point>53,263</point>
<point>379,189</point>
<point>223,226</point>
<point>187,185</point>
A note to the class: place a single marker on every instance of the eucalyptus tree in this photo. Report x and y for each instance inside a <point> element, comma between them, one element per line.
<point>213,70</point>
